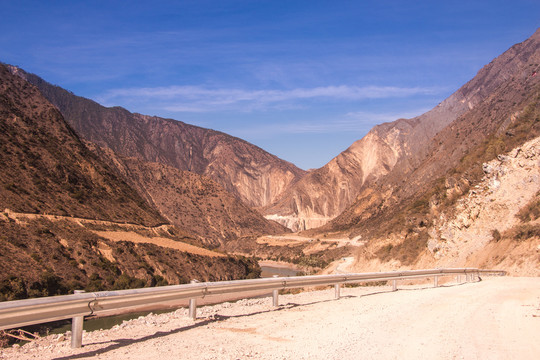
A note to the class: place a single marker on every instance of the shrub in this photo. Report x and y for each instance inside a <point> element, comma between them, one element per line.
<point>496,235</point>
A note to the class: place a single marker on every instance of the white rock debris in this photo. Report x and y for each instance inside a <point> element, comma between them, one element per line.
<point>509,183</point>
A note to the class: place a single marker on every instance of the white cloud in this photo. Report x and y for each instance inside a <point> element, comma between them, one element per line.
<point>353,122</point>
<point>202,99</point>
<point>379,118</point>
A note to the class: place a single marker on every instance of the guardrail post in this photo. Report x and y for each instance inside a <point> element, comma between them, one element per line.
<point>337,288</point>
<point>436,281</point>
<point>193,305</point>
<point>275,295</point>
<point>394,285</point>
<point>77,328</point>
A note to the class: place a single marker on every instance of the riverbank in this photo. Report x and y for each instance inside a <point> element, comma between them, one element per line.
<point>494,318</point>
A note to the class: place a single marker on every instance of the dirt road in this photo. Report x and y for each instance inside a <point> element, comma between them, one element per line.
<point>498,318</point>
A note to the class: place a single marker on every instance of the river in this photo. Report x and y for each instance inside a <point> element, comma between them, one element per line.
<point>271,269</point>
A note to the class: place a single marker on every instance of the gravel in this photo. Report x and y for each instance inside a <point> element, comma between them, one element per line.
<point>498,318</point>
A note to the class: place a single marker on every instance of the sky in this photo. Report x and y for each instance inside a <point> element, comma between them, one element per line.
<point>301,79</point>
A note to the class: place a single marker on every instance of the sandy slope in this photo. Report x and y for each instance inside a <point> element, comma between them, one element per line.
<point>498,318</point>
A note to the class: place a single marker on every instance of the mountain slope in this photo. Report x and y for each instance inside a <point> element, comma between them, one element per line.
<point>47,169</point>
<point>503,120</point>
<point>253,175</point>
<point>392,150</point>
<point>479,173</point>
<point>52,187</point>
<point>191,201</point>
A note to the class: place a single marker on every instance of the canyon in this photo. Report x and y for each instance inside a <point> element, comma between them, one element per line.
<point>456,186</point>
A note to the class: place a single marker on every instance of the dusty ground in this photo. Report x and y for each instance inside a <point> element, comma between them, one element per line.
<point>498,318</point>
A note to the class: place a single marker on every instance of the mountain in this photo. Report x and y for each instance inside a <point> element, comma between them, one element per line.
<point>256,177</point>
<point>47,169</point>
<point>191,201</point>
<point>472,200</point>
<point>391,151</point>
<point>60,200</point>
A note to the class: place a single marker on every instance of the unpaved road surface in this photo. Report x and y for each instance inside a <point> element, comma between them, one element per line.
<point>497,318</point>
<point>156,240</point>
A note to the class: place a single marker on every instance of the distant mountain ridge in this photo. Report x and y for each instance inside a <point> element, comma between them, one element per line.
<point>256,177</point>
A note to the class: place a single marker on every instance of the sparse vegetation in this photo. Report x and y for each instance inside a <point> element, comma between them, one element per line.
<point>406,252</point>
<point>523,232</point>
<point>531,211</point>
<point>496,235</point>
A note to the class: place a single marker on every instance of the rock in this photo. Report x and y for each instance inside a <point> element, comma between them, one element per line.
<point>487,168</point>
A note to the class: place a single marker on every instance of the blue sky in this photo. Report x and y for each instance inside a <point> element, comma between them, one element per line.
<point>301,79</point>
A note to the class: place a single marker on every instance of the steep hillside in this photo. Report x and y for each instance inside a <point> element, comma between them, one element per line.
<point>253,175</point>
<point>47,169</point>
<point>391,151</point>
<point>42,257</point>
<point>191,201</point>
<point>495,225</point>
<point>448,208</point>
<point>503,120</point>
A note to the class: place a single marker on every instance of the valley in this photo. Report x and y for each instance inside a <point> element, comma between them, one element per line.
<point>95,194</point>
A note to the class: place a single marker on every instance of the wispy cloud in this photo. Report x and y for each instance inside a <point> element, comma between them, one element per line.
<point>203,99</point>
<point>353,122</point>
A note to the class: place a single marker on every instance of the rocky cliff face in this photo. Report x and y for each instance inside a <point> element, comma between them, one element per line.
<point>256,177</point>
<point>391,151</point>
<point>496,224</point>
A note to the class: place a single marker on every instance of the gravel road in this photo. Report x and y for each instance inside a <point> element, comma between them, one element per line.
<point>497,318</point>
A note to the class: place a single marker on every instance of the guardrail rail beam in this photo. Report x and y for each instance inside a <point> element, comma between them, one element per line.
<point>19,313</point>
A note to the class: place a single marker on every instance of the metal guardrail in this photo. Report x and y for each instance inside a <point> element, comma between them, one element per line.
<point>19,313</point>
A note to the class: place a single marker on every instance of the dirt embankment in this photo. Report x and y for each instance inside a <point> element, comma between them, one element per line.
<point>498,318</point>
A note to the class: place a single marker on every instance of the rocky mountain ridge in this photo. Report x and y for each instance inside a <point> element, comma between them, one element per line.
<point>391,151</point>
<point>256,177</point>
<point>407,219</point>
<point>504,119</point>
